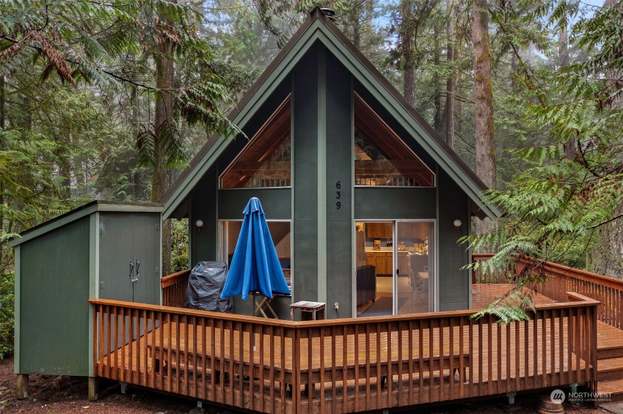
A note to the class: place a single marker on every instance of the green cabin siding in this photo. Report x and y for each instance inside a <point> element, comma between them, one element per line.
<point>305,176</point>
<point>339,153</point>
<point>275,201</point>
<point>454,279</point>
<point>204,207</point>
<point>378,203</point>
<point>54,312</point>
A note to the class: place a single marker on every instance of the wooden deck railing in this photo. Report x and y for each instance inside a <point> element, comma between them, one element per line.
<point>342,365</point>
<point>561,279</point>
<point>174,288</point>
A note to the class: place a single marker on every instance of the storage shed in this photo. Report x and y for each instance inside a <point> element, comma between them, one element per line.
<point>99,250</point>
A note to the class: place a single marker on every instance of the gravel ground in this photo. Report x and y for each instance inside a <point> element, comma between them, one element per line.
<point>69,395</point>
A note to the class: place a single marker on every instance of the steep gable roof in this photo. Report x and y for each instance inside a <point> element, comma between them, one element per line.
<point>319,28</point>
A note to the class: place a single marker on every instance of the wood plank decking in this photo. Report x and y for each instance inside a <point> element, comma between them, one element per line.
<point>342,365</point>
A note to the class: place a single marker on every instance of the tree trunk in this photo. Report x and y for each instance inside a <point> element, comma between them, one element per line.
<point>563,60</point>
<point>451,81</point>
<point>2,147</point>
<point>607,255</point>
<point>406,34</point>
<point>2,103</point>
<point>355,21</point>
<point>64,164</point>
<point>437,118</point>
<point>483,101</point>
<point>164,134</point>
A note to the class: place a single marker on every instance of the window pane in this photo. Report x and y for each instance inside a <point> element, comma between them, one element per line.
<point>265,160</point>
<point>415,267</point>
<point>381,157</point>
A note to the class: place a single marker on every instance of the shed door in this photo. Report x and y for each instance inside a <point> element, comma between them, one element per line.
<point>128,239</point>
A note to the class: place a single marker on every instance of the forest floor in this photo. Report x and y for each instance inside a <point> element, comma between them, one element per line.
<point>69,395</point>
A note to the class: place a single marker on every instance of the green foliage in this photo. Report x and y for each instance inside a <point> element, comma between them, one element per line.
<point>572,184</point>
<point>7,298</point>
<point>180,243</point>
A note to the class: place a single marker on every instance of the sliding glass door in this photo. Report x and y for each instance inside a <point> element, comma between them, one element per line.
<point>415,266</point>
<point>395,266</point>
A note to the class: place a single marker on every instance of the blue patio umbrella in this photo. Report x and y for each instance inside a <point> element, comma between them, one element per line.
<point>255,266</point>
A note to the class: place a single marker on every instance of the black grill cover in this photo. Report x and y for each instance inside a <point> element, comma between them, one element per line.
<point>204,287</point>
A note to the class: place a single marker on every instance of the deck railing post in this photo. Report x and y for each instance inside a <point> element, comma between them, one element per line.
<point>593,346</point>
<point>296,370</point>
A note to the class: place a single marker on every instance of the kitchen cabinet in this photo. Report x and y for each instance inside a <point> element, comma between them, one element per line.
<point>382,261</point>
<point>379,231</point>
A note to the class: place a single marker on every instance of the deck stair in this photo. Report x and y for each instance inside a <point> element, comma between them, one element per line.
<point>609,353</point>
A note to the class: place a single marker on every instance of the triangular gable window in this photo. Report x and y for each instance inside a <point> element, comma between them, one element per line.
<point>382,159</point>
<point>265,161</point>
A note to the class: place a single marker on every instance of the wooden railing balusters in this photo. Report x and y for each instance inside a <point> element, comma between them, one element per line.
<point>240,328</point>
<point>561,279</point>
<point>410,347</point>
<point>431,338</point>
<point>170,348</point>
<point>231,372</point>
<point>441,353</point>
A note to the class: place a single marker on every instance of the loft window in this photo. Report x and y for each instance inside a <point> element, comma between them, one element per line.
<point>382,159</point>
<point>265,159</point>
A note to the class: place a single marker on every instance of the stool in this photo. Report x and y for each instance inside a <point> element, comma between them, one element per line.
<point>315,308</point>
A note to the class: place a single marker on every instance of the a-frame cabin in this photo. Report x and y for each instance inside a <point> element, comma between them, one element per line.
<point>366,202</point>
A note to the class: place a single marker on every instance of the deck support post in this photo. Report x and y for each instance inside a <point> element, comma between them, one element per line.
<point>511,398</point>
<point>21,388</point>
<point>124,387</point>
<point>92,389</point>
<point>573,388</point>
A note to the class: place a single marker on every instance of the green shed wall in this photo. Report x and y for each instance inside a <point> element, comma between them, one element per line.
<point>54,312</point>
<point>125,237</point>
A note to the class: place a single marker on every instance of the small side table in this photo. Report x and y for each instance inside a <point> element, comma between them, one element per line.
<point>305,306</point>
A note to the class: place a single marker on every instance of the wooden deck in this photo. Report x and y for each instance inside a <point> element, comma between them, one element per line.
<point>560,279</point>
<point>370,363</point>
<point>343,365</point>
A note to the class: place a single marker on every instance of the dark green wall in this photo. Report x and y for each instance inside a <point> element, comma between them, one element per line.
<point>54,325</point>
<point>395,203</point>
<point>454,281</point>
<point>203,241</point>
<point>305,152</point>
<point>338,152</point>
<point>126,236</point>
<point>277,203</point>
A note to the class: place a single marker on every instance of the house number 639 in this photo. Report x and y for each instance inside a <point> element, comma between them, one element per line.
<point>338,195</point>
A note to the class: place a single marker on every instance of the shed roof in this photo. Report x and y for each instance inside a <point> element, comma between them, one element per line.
<point>83,211</point>
<point>319,28</point>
